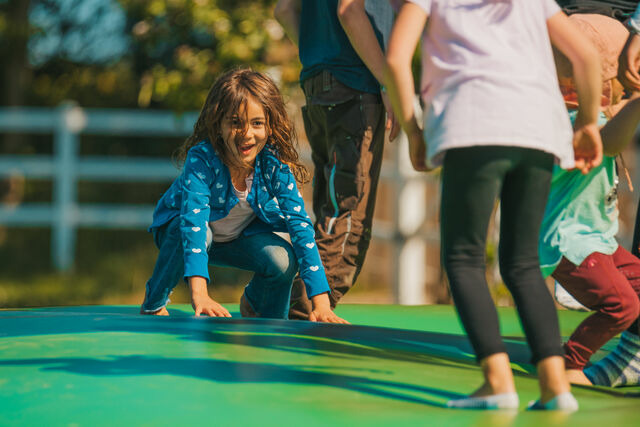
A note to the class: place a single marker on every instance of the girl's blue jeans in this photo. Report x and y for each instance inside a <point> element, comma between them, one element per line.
<point>269,256</point>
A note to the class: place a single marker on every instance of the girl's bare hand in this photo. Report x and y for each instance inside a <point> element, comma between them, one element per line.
<point>392,125</point>
<point>203,304</point>
<point>322,310</point>
<point>326,316</point>
<point>587,147</point>
<point>418,151</point>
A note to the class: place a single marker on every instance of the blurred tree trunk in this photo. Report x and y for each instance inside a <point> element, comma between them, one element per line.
<point>16,72</point>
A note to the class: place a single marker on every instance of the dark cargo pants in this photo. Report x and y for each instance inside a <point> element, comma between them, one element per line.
<point>345,129</point>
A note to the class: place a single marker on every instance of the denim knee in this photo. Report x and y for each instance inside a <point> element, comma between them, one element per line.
<point>281,261</point>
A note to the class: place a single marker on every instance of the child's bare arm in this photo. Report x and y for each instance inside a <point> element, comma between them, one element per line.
<point>398,76</point>
<point>287,13</point>
<point>356,25</point>
<point>584,58</point>
<point>629,60</point>
<point>587,75</point>
<point>619,131</point>
<point>629,63</point>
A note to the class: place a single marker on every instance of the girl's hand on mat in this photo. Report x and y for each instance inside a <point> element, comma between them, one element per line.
<point>200,300</point>
<point>322,310</point>
<point>326,316</point>
<point>587,147</point>
<point>203,304</point>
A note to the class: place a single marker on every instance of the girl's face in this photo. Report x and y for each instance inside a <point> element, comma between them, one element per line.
<point>250,121</point>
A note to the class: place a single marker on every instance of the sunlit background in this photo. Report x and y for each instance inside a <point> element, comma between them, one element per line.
<point>119,82</point>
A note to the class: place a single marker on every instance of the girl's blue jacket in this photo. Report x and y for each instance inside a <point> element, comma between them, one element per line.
<point>203,192</point>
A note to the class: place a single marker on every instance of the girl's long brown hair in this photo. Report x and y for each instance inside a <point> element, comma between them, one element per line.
<point>227,97</point>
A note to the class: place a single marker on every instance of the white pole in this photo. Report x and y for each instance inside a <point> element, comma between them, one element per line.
<point>71,122</point>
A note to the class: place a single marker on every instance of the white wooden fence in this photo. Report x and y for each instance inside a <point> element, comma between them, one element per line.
<point>66,167</point>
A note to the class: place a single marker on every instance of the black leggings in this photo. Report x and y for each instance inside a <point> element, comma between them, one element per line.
<point>472,180</point>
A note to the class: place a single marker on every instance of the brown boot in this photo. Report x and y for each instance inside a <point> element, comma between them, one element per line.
<point>300,307</point>
<point>245,308</point>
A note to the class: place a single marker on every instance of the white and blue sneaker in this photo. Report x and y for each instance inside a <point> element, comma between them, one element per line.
<point>562,402</point>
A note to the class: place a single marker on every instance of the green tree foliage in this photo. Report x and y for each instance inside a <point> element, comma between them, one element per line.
<point>178,46</point>
<point>161,54</point>
<point>14,34</point>
<point>173,49</point>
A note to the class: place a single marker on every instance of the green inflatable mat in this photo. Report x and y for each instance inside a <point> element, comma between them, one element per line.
<point>395,365</point>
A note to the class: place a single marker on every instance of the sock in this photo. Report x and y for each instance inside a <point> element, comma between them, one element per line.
<point>621,367</point>
<point>562,402</point>
<point>494,401</point>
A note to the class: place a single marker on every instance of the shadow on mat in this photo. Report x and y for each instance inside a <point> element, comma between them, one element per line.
<point>316,339</point>
<point>237,372</point>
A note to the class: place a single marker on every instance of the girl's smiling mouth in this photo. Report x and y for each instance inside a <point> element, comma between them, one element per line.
<point>245,149</point>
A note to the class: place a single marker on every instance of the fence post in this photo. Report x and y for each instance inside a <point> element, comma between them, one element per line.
<point>411,249</point>
<point>71,121</point>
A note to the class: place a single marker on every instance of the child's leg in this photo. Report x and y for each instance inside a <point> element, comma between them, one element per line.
<point>523,200</point>
<point>551,376</point>
<point>471,182</point>
<point>622,366</point>
<point>346,131</point>
<point>496,370</point>
<point>619,131</point>
<point>629,265</point>
<point>168,270</point>
<point>470,186</point>
<point>598,284</point>
<point>274,263</point>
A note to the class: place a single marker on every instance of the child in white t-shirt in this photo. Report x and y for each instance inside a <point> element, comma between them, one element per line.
<point>495,119</point>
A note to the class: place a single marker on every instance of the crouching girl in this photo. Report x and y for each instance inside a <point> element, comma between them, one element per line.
<point>238,187</point>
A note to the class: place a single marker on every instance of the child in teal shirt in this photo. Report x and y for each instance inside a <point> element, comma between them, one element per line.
<point>577,239</point>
